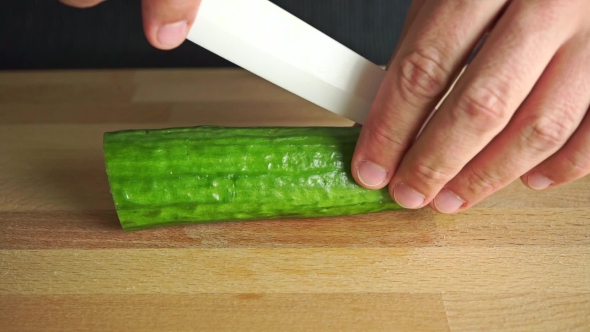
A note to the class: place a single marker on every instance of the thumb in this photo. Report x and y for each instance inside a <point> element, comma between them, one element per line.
<point>167,22</point>
<point>81,3</point>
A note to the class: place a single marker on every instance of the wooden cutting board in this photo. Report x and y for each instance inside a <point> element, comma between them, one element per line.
<point>519,261</point>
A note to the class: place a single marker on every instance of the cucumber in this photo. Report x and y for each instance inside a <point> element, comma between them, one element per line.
<point>175,176</point>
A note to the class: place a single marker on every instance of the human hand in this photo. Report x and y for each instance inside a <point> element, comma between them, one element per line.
<point>520,109</point>
<point>165,22</point>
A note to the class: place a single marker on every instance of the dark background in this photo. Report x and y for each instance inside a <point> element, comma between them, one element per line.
<point>45,34</point>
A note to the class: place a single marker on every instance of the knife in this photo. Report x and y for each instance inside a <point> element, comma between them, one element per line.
<point>268,41</point>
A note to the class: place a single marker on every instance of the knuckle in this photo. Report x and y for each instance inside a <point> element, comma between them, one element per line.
<point>423,74</point>
<point>481,181</point>
<point>484,108</point>
<point>383,136</point>
<point>430,175</point>
<point>548,133</point>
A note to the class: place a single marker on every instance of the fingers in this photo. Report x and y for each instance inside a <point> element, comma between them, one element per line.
<point>541,127</point>
<point>570,163</point>
<point>81,3</point>
<point>431,54</point>
<point>167,22</point>
<point>507,67</point>
<point>410,17</point>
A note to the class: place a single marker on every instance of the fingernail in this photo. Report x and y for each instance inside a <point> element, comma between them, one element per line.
<point>538,181</point>
<point>172,34</point>
<point>407,197</point>
<point>447,202</point>
<point>371,174</point>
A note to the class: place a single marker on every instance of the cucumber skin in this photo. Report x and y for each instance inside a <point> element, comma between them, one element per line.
<point>175,176</point>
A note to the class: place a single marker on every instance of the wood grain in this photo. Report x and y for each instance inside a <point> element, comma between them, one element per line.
<point>257,312</point>
<point>543,311</point>
<point>307,270</point>
<point>518,261</point>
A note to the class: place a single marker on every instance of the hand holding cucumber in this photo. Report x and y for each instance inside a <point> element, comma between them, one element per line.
<point>519,110</point>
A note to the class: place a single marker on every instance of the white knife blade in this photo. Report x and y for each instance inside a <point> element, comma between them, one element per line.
<point>268,41</point>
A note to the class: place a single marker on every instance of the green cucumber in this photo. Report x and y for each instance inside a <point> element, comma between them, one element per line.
<point>204,174</point>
